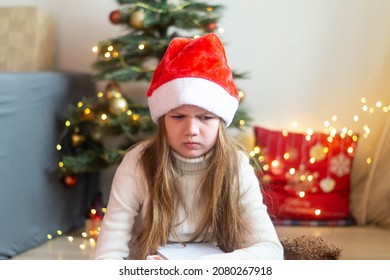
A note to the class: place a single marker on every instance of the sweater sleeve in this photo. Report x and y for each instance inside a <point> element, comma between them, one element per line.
<point>262,243</point>
<point>124,204</point>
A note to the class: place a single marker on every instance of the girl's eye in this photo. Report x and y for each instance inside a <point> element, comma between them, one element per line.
<point>177,116</point>
<point>206,117</point>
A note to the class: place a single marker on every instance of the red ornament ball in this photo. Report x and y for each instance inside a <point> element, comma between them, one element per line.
<point>70,180</point>
<point>211,27</point>
<point>116,17</point>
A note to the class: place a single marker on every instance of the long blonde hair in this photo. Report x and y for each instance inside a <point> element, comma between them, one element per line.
<point>221,218</point>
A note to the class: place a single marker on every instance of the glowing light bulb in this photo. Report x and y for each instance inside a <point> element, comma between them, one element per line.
<point>221,30</point>
<point>256,149</point>
<point>275,163</point>
<point>261,158</point>
<point>301,194</point>
<point>95,49</point>
<point>292,171</point>
<point>58,147</point>
<point>317,212</point>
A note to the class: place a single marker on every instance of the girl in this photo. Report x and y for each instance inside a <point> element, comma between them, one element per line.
<point>190,182</point>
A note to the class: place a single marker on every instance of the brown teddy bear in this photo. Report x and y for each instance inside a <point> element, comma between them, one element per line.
<point>310,248</point>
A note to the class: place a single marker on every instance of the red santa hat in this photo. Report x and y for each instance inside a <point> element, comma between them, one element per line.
<point>194,72</point>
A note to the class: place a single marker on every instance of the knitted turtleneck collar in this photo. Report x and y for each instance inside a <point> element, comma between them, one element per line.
<point>192,165</point>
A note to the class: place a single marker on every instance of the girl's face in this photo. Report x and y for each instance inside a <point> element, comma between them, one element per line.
<point>191,130</point>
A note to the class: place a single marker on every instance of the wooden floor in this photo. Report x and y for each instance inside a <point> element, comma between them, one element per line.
<point>358,243</point>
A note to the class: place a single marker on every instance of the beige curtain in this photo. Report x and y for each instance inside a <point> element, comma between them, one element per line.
<point>370,200</point>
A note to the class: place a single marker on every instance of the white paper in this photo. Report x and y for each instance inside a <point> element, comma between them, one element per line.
<point>187,251</point>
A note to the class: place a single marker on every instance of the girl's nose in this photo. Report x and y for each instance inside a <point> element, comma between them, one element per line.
<point>191,127</point>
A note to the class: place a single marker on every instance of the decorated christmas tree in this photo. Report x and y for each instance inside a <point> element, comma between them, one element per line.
<point>90,124</point>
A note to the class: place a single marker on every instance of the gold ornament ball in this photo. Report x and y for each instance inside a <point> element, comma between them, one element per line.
<point>77,140</point>
<point>317,152</point>
<point>137,19</point>
<point>118,105</point>
<point>113,93</point>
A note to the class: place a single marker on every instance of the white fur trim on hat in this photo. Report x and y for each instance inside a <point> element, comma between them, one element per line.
<point>192,91</point>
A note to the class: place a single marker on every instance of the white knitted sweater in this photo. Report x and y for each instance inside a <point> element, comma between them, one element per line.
<point>126,205</point>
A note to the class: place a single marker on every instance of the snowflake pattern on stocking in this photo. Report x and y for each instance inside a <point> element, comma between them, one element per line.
<point>340,165</point>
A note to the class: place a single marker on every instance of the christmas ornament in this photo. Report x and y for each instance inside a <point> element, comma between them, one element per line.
<point>116,17</point>
<point>327,184</point>
<point>113,91</point>
<point>137,18</point>
<point>77,139</point>
<point>317,152</point>
<point>211,27</point>
<point>118,105</point>
<point>70,180</point>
